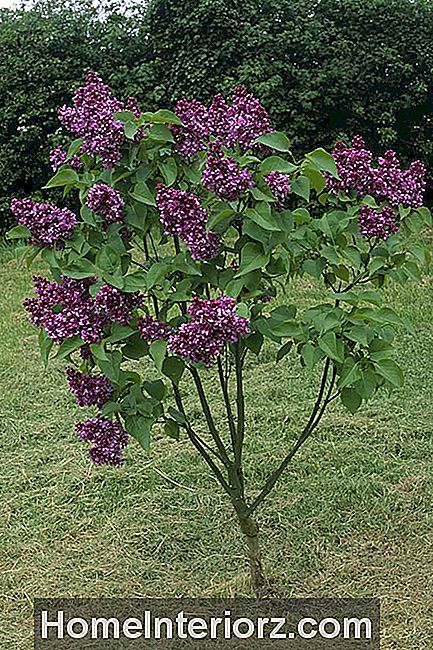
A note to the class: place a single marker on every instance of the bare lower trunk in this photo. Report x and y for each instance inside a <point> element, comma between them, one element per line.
<point>250,529</point>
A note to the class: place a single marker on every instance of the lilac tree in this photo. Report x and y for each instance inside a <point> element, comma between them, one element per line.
<point>190,226</point>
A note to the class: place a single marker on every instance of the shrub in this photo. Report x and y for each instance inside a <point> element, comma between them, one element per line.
<point>188,225</point>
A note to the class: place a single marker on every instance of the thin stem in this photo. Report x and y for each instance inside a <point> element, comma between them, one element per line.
<point>209,418</point>
<point>240,406</point>
<point>154,299</point>
<point>198,444</point>
<point>312,423</point>
<point>153,245</point>
<point>226,396</point>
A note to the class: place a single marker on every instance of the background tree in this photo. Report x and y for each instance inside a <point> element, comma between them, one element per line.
<point>326,69</point>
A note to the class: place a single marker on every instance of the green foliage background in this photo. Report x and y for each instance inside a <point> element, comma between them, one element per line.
<point>323,68</point>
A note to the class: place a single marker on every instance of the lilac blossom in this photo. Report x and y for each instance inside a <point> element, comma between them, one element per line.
<point>238,124</point>
<point>192,135</point>
<point>222,175</point>
<point>65,309</point>
<point>89,390</point>
<point>392,184</point>
<point>116,306</point>
<point>374,222</point>
<point>152,330</point>
<point>48,224</point>
<point>354,166</point>
<point>201,244</point>
<point>181,214</point>
<point>279,185</point>
<point>247,119</point>
<point>213,323</point>
<point>385,182</point>
<point>91,118</point>
<point>107,202</point>
<point>59,157</point>
<point>108,440</point>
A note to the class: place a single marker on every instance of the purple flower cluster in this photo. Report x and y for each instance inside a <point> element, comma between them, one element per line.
<point>89,390</point>
<point>392,183</point>
<point>213,323</point>
<point>107,202</point>
<point>377,223</point>
<point>58,157</point>
<point>182,214</point>
<point>48,224</point>
<point>279,185</point>
<point>67,309</point>
<point>222,175</point>
<point>152,330</point>
<point>115,305</point>
<point>385,182</point>
<point>247,120</point>
<point>91,118</point>
<point>190,137</point>
<point>108,438</point>
<point>237,124</point>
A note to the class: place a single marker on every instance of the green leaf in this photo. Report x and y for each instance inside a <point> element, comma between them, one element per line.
<point>350,373</point>
<point>74,148</point>
<point>157,272</point>
<point>284,350</point>
<point>275,140</point>
<point>18,232</point>
<point>171,428</point>
<point>390,371</point>
<point>173,367</point>
<point>124,116</point>
<point>142,194</point>
<point>63,177</point>
<point>135,348</point>
<point>301,186</point>
<point>82,268</point>
<point>351,400</point>
<point>120,333</point>
<point>332,347</point>
<point>98,351</point>
<point>163,116</point>
<point>284,328</point>
<point>139,428</point>
<point>130,130</point>
<point>177,415</point>
<point>169,171</point>
<point>310,354</point>
<point>314,267</point>
<point>156,389</point>
<point>254,342</point>
<point>252,258</point>
<point>276,163</point>
<point>69,346</point>
<point>111,367</point>
<point>218,217</point>
<point>265,221</point>
<point>324,161</point>
<point>158,350</point>
<point>45,346</point>
<point>135,282</point>
<point>161,133</point>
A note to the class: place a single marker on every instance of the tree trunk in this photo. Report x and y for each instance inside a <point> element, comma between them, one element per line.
<point>250,529</point>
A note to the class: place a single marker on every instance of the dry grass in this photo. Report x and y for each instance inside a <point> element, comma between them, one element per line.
<point>352,516</point>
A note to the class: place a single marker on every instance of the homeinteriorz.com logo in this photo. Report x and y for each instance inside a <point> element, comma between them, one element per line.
<point>310,624</point>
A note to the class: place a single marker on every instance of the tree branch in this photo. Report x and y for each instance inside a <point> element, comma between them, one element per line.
<point>312,423</point>
<point>209,418</point>
<point>200,445</point>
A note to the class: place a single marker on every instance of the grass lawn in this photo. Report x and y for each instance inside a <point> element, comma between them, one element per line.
<point>352,517</point>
